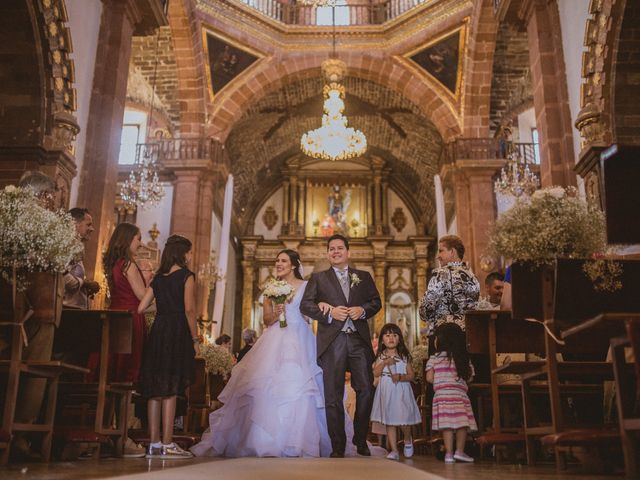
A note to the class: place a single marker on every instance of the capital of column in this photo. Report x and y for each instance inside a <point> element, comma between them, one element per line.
<point>250,246</point>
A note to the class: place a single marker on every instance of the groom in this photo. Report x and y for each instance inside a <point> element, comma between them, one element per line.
<point>344,341</point>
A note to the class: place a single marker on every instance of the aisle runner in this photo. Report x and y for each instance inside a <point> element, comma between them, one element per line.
<point>291,468</point>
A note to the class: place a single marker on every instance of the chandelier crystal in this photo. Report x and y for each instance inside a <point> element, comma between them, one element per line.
<point>516,179</point>
<point>143,187</point>
<point>334,140</point>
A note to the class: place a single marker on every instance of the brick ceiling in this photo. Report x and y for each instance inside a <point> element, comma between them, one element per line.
<point>269,133</point>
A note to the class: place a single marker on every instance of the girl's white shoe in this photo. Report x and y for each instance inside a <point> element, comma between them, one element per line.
<point>408,450</point>
<point>448,458</point>
<point>463,457</point>
<point>393,456</point>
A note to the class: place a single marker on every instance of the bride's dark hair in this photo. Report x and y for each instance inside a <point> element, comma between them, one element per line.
<point>294,257</point>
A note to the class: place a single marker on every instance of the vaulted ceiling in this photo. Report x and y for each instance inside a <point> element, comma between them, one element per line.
<point>269,133</point>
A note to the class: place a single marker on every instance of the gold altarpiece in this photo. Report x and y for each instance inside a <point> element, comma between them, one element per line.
<point>319,198</point>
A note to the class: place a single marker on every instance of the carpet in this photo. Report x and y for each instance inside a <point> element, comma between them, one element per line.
<point>290,468</point>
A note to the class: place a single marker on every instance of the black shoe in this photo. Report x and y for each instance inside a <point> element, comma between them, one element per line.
<point>337,455</point>
<point>363,450</point>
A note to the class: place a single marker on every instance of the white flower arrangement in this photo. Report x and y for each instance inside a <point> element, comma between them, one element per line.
<point>32,238</point>
<point>217,359</point>
<point>355,280</point>
<point>553,223</point>
<point>418,355</point>
<point>279,291</point>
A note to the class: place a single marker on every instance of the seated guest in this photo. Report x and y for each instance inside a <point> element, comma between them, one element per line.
<point>224,340</point>
<point>493,284</point>
<point>77,288</point>
<point>249,337</point>
<point>505,300</point>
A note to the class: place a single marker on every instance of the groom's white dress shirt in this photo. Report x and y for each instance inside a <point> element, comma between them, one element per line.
<point>343,278</point>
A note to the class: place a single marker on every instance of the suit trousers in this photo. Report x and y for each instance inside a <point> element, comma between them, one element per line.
<point>347,352</point>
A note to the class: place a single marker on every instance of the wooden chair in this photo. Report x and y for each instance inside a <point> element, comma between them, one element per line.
<point>109,332</point>
<point>15,368</point>
<point>198,401</point>
<point>559,297</point>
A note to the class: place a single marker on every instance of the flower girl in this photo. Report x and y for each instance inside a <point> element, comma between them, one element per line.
<point>394,404</point>
<point>449,370</point>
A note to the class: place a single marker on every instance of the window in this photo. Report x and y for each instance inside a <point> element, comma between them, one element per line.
<point>536,145</point>
<point>134,129</point>
<point>324,15</point>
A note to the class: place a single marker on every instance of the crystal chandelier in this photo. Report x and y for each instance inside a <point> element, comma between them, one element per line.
<point>143,187</point>
<point>334,140</point>
<point>516,179</point>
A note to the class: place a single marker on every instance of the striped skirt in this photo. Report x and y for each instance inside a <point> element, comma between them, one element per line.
<point>452,410</point>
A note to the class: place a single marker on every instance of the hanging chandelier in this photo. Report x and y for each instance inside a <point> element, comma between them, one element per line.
<point>516,178</point>
<point>143,187</point>
<point>334,140</point>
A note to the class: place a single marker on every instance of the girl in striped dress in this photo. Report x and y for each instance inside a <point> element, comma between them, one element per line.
<point>449,370</point>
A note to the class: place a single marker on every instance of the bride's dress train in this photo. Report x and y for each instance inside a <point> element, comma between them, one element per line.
<point>274,401</point>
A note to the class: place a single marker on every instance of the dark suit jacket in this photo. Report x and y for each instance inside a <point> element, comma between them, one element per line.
<point>325,287</point>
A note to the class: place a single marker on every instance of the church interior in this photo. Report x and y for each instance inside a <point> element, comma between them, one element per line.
<point>254,126</point>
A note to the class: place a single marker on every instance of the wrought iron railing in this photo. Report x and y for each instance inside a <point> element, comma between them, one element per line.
<point>491,148</point>
<point>364,13</point>
<point>182,149</point>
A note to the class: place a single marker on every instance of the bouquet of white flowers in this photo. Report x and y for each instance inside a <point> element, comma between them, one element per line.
<point>278,291</point>
<point>217,359</point>
<point>32,238</point>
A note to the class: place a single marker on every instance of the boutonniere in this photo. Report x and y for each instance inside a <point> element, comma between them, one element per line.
<point>355,279</point>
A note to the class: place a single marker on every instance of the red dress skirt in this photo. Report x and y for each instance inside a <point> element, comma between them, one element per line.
<point>123,367</point>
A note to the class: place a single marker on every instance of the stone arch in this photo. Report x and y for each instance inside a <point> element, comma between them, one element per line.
<point>602,34</point>
<point>38,97</point>
<point>271,74</point>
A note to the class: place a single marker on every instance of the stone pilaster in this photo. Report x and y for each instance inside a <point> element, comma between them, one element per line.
<point>249,246</point>
<point>550,94</point>
<point>475,205</point>
<point>99,174</point>
<point>379,245</point>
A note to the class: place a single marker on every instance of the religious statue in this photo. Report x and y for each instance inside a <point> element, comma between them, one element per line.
<point>338,205</point>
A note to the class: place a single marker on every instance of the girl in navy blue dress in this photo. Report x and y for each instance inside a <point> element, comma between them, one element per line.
<point>168,364</point>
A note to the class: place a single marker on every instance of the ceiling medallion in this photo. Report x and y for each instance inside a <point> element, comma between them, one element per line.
<point>334,140</point>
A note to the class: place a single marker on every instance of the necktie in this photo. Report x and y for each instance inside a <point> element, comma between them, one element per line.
<point>344,283</point>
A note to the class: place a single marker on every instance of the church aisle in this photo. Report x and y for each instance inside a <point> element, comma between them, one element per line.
<point>417,468</point>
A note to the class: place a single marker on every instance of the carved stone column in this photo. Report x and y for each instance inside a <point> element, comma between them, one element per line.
<point>379,245</point>
<point>249,246</point>
<point>99,174</point>
<point>293,205</point>
<point>248,279</point>
<point>475,205</point>
<point>421,247</point>
<point>285,207</point>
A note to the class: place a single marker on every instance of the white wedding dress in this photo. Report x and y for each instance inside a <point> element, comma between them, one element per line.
<point>274,401</point>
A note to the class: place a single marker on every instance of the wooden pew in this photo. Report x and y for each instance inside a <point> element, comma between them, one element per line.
<point>15,368</point>
<point>108,332</point>
<point>561,296</point>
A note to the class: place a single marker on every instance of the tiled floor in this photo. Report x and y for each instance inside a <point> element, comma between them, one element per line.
<point>122,467</point>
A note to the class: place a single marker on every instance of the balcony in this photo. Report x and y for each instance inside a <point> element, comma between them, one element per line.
<point>350,13</point>
<point>491,149</point>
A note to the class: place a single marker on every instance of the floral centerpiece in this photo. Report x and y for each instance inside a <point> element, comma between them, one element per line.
<point>555,223</point>
<point>279,292</point>
<point>217,359</point>
<point>419,354</point>
<point>33,238</point>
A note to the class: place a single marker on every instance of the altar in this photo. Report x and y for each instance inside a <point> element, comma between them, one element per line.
<point>354,198</point>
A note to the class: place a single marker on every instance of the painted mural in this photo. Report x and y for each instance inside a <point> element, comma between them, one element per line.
<point>441,60</point>
<point>226,62</point>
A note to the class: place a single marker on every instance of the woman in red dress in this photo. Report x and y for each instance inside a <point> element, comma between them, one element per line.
<point>127,287</point>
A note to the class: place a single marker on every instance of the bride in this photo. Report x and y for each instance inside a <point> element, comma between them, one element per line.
<point>274,401</point>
